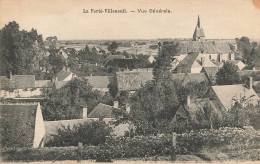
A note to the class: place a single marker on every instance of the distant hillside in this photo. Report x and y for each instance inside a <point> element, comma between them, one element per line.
<point>210,47</point>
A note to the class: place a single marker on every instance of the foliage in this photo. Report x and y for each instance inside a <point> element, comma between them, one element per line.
<point>113,89</point>
<point>142,61</point>
<point>250,51</point>
<point>227,75</point>
<point>112,47</point>
<point>89,133</point>
<point>66,102</point>
<point>20,51</point>
<point>228,140</point>
<point>157,100</point>
<point>90,56</point>
<point>162,67</point>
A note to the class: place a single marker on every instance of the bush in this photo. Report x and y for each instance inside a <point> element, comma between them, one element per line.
<point>228,140</point>
<point>89,133</point>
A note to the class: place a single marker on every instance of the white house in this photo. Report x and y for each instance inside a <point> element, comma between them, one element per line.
<point>22,126</point>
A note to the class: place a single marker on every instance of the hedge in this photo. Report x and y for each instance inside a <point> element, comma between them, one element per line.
<point>224,139</point>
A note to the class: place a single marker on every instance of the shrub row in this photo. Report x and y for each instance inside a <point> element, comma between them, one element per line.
<point>225,139</point>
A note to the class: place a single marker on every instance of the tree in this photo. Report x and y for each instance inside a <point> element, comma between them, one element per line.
<point>157,100</point>
<point>113,89</point>
<point>112,47</point>
<point>250,51</point>
<point>228,74</point>
<point>89,133</point>
<point>66,102</point>
<point>20,51</point>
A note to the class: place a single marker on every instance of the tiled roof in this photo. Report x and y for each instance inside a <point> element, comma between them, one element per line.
<point>209,47</point>
<point>63,74</point>
<point>132,80</point>
<point>23,81</point>
<point>190,77</point>
<point>42,83</point>
<point>116,58</point>
<point>208,63</point>
<point>18,125</point>
<point>100,81</point>
<point>211,72</point>
<point>51,127</point>
<point>227,93</point>
<point>102,110</point>
<point>59,84</point>
<point>189,60</point>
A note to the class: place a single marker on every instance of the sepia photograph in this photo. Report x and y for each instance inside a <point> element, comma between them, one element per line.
<point>129,81</point>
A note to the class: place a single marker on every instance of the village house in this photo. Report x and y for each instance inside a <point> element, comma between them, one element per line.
<point>22,86</point>
<point>64,55</point>
<point>100,112</point>
<point>64,75</point>
<point>151,59</point>
<point>132,80</point>
<point>100,83</point>
<point>185,78</point>
<point>226,96</point>
<point>119,61</point>
<point>22,125</point>
<point>240,65</point>
<point>104,112</point>
<point>188,111</point>
<point>193,63</point>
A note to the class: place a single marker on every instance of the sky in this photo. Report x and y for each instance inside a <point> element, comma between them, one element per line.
<point>220,19</point>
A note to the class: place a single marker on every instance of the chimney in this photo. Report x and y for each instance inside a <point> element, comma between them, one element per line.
<point>56,78</point>
<point>115,104</point>
<point>128,109</point>
<point>251,83</point>
<point>188,100</point>
<point>84,112</point>
<point>202,61</point>
<point>10,75</point>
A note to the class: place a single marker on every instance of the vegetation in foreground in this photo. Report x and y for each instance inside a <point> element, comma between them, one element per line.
<point>221,144</point>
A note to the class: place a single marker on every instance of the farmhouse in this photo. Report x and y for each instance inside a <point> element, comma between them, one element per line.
<point>240,65</point>
<point>22,125</point>
<point>185,78</point>
<point>100,82</point>
<point>226,96</point>
<point>119,61</point>
<point>22,86</point>
<point>133,80</point>
<point>188,111</point>
<point>64,75</point>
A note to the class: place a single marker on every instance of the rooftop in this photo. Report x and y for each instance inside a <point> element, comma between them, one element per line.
<point>132,80</point>
<point>19,124</point>
<point>102,110</point>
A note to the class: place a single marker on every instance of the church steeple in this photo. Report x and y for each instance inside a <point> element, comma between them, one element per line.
<point>198,34</point>
<point>198,21</point>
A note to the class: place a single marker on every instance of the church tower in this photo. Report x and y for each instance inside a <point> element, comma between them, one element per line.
<point>198,33</point>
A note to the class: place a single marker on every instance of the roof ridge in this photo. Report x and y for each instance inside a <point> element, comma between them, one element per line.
<point>106,105</point>
<point>66,120</point>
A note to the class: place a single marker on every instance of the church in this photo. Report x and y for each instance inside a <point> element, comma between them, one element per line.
<point>198,34</point>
